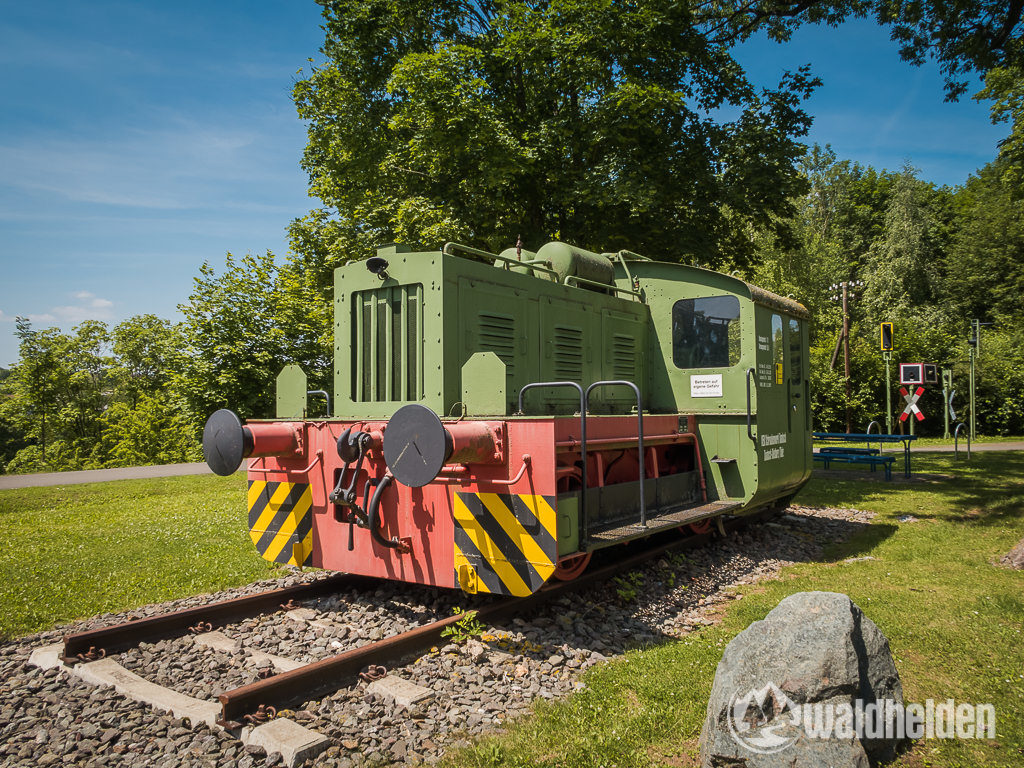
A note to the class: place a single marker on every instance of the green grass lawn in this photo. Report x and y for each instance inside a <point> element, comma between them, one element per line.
<point>79,550</point>
<point>953,619</point>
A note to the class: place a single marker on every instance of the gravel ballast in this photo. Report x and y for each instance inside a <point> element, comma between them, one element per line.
<point>50,718</point>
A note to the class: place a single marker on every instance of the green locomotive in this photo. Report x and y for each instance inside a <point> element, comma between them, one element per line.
<point>498,417</point>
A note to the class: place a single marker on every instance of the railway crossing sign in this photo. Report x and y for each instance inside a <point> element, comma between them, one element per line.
<point>912,404</point>
<point>949,404</point>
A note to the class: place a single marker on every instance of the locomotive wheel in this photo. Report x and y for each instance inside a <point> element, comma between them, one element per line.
<point>704,526</point>
<point>571,567</point>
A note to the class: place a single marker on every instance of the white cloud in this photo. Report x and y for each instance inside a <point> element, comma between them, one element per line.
<point>173,163</point>
<point>89,300</point>
<point>88,306</point>
<point>37,318</point>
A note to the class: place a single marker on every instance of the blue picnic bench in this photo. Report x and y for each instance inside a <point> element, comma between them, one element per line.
<point>856,456</point>
<point>846,454</point>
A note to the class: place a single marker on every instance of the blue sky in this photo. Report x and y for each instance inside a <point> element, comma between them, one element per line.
<point>138,140</point>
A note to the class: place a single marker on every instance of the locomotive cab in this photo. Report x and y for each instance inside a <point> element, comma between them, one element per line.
<point>733,356</point>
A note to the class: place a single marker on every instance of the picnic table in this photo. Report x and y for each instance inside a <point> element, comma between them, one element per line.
<point>860,437</point>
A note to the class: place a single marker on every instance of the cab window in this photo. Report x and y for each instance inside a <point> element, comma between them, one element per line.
<point>795,352</point>
<point>778,352</point>
<point>706,332</point>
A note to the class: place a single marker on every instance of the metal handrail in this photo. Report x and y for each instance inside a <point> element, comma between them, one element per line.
<point>956,442</point>
<point>327,397</point>
<point>607,286</point>
<point>583,442</point>
<point>449,249</point>
<point>750,431</point>
<point>266,470</point>
<point>639,434</point>
<point>868,432</point>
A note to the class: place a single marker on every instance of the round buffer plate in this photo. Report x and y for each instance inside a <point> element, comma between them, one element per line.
<point>416,445</point>
<point>224,442</point>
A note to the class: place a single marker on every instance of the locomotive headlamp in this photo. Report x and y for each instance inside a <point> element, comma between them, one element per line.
<point>378,266</point>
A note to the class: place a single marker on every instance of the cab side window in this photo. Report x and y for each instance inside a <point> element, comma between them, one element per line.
<point>706,332</point>
<point>778,351</point>
<point>795,352</point>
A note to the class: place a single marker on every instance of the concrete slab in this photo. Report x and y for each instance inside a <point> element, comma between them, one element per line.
<point>280,663</point>
<point>218,641</point>
<point>399,690</point>
<point>301,615</point>
<point>47,656</point>
<point>221,642</point>
<point>295,743</point>
<point>109,672</point>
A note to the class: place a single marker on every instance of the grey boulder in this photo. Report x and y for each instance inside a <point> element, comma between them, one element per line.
<point>808,665</point>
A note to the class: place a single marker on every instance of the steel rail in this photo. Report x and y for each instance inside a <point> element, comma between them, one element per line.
<point>333,672</point>
<point>120,636</point>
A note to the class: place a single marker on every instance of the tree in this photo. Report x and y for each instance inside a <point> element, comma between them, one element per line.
<point>985,261</point>
<point>147,351</point>
<point>582,120</point>
<point>242,327</point>
<point>1005,86</point>
<point>55,395</point>
<point>964,36</point>
<point>902,265</point>
<point>11,439</point>
<point>834,225</point>
<point>154,429</point>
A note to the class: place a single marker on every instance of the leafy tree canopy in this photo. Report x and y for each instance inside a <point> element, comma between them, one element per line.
<point>1005,87</point>
<point>242,327</point>
<point>93,398</point>
<point>966,37</point>
<point>609,125</point>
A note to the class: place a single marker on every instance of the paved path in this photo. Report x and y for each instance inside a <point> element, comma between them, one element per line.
<point>101,475</point>
<point>200,468</point>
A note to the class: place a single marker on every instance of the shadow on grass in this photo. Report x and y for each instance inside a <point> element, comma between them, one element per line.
<point>641,608</point>
<point>985,491</point>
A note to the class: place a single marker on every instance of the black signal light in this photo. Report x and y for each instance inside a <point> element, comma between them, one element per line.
<point>886,331</point>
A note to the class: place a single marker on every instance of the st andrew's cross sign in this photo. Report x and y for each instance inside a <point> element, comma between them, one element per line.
<point>912,404</point>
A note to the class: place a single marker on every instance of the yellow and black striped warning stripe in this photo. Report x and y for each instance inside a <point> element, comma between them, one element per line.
<point>281,521</point>
<point>504,543</point>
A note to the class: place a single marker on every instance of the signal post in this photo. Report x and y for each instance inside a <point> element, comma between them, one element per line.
<point>885,332</point>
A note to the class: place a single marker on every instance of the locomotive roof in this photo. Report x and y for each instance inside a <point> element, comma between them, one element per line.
<point>774,301</point>
<point>756,294</point>
<point>640,263</point>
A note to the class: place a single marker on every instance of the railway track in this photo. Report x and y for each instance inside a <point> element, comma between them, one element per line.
<point>287,685</point>
<point>251,703</point>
